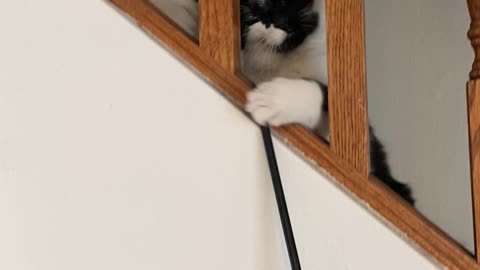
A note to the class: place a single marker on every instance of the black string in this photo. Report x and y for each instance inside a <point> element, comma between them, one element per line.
<point>281,202</point>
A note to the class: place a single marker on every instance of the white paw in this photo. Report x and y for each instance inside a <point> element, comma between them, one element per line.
<point>286,101</point>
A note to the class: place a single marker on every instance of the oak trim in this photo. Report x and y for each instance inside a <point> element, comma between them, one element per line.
<point>473,106</point>
<point>219,35</point>
<point>473,99</point>
<point>474,36</point>
<point>371,192</point>
<point>347,87</point>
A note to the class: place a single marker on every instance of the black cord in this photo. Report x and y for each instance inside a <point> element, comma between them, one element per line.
<point>281,202</point>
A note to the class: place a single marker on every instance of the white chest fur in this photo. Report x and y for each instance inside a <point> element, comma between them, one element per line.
<point>307,61</point>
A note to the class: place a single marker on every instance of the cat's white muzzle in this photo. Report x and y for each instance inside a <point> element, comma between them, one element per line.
<point>271,35</point>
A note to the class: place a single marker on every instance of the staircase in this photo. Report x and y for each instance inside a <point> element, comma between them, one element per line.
<point>143,164</point>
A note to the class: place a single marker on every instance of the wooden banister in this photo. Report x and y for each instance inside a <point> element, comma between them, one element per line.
<point>473,102</point>
<point>349,137</point>
<point>220,31</point>
<point>217,59</point>
<point>474,35</point>
<point>473,96</point>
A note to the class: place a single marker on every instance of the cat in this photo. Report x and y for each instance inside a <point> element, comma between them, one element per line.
<point>278,60</point>
<point>284,53</point>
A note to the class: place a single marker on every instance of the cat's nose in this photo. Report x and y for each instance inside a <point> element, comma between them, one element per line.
<point>258,31</point>
<point>275,36</point>
<point>267,24</point>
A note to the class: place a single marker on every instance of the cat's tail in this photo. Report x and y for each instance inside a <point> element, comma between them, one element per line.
<point>400,188</point>
<point>378,159</point>
<point>381,170</point>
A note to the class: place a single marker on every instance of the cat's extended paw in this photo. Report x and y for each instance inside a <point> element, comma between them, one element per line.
<point>284,101</point>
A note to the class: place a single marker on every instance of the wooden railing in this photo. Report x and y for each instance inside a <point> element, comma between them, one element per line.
<point>346,158</point>
<point>473,101</point>
<point>349,138</point>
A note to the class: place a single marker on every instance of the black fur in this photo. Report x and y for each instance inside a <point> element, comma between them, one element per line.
<point>378,159</point>
<point>295,17</point>
<point>381,170</point>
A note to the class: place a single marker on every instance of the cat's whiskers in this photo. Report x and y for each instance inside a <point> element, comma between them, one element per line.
<point>271,49</point>
<point>259,47</point>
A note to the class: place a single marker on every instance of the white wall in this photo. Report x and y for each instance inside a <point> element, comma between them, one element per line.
<point>418,59</point>
<point>115,156</point>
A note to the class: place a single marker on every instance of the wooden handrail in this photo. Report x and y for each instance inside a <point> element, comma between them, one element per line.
<point>215,61</point>
<point>220,31</point>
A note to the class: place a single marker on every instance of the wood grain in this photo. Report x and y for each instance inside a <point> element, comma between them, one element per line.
<point>474,35</point>
<point>375,196</point>
<point>220,31</point>
<point>473,101</point>
<point>349,137</point>
<point>473,95</point>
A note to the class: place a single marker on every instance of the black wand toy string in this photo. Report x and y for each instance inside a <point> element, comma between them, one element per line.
<point>280,197</point>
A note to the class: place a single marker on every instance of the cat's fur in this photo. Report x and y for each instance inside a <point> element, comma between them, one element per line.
<point>282,96</point>
<point>284,53</point>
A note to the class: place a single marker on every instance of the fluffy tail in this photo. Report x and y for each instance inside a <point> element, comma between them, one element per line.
<point>378,159</point>
<point>381,170</point>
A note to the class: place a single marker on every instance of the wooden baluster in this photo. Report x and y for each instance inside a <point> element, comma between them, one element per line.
<point>473,99</point>
<point>349,136</point>
<point>220,30</point>
<point>474,35</point>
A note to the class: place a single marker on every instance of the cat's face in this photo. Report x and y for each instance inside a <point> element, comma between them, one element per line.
<point>278,25</point>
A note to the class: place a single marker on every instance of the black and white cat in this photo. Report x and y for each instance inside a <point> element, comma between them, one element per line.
<point>284,53</point>
<point>283,44</point>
